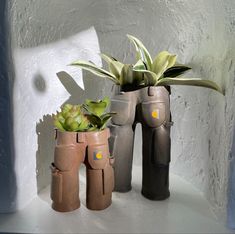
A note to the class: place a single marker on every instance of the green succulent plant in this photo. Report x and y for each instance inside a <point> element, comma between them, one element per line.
<point>90,116</point>
<point>96,113</point>
<point>162,71</point>
<point>71,118</point>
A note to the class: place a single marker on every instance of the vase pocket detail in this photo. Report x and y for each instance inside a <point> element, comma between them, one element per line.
<point>98,156</point>
<point>123,110</point>
<point>65,157</point>
<point>56,185</point>
<point>153,113</point>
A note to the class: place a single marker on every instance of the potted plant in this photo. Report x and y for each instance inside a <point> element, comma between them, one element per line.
<point>141,96</point>
<point>82,137</point>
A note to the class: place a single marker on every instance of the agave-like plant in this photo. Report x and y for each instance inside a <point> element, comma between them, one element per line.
<point>71,118</point>
<point>89,116</point>
<point>162,71</point>
<point>96,113</point>
<point>119,73</point>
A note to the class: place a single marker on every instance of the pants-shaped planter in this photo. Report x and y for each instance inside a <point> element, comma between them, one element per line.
<point>149,106</point>
<point>71,150</point>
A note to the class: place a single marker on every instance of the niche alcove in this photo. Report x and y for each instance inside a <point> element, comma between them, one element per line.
<point>39,38</point>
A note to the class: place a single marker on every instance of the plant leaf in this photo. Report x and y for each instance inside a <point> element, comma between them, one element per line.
<point>107,114</point>
<point>92,128</point>
<point>150,77</point>
<point>172,60</point>
<point>96,107</point>
<point>162,62</point>
<point>95,70</point>
<point>190,81</point>
<point>176,71</point>
<point>126,75</point>
<point>115,66</point>
<point>143,53</point>
<point>106,100</point>
<point>84,124</point>
<point>94,120</point>
<point>139,66</point>
<point>58,125</point>
<point>104,121</point>
<point>107,58</point>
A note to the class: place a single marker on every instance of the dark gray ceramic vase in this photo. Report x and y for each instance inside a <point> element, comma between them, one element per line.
<point>149,106</point>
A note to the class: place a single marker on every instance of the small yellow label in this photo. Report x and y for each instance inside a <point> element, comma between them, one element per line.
<point>99,155</point>
<point>155,114</point>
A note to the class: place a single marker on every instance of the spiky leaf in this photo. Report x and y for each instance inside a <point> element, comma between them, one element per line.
<point>84,125</point>
<point>107,114</point>
<point>67,107</point>
<point>60,117</point>
<point>140,65</point>
<point>176,71</point>
<point>115,67</point>
<point>105,121</point>
<point>97,107</point>
<point>95,70</point>
<point>142,52</point>
<point>162,62</point>
<point>94,120</point>
<point>150,77</point>
<point>58,125</point>
<point>107,58</point>
<point>127,75</point>
<point>190,81</point>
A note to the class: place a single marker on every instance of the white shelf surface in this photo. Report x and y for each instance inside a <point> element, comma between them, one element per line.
<point>186,211</point>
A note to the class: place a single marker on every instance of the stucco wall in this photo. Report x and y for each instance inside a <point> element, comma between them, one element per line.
<point>40,88</point>
<point>200,32</point>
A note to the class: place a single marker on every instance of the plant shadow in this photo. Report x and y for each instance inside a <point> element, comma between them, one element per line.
<point>44,128</point>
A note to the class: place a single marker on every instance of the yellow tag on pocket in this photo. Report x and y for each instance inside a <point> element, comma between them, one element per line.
<point>99,155</point>
<point>155,114</point>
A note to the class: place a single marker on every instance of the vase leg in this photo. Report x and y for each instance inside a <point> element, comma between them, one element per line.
<point>156,158</point>
<point>99,175</point>
<point>122,150</point>
<point>65,181</point>
<point>99,188</point>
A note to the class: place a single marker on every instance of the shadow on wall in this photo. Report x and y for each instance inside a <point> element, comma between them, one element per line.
<point>8,192</point>
<point>37,85</point>
<point>44,154</point>
<point>44,129</point>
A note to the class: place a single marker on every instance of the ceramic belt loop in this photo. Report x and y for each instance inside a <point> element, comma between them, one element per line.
<point>151,91</point>
<point>81,138</point>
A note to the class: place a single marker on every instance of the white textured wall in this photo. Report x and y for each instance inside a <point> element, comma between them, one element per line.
<point>39,92</point>
<point>200,32</point>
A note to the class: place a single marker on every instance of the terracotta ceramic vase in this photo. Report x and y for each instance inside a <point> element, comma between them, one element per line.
<point>71,150</point>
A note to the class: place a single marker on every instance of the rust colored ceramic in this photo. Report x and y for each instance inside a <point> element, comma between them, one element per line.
<point>71,150</point>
